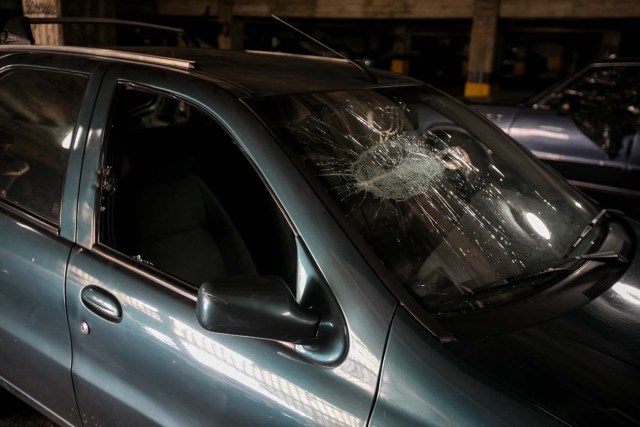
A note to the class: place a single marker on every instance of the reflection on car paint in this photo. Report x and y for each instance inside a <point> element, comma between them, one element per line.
<point>628,293</point>
<point>263,381</point>
<point>545,133</point>
<point>360,368</point>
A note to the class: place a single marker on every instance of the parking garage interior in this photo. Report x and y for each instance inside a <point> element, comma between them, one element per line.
<point>504,50</point>
<point>490,51</point>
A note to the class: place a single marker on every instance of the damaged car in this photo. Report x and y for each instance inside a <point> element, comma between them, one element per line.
<point>200,237</point>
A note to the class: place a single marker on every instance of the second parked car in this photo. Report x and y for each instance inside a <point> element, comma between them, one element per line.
<point>587,128</point>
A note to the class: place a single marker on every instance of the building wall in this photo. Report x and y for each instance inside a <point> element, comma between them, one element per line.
<point>328,9</point>
<point>569,9</point>
<point>405,9</point>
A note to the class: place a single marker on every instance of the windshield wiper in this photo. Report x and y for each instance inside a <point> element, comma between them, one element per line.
<point>589,227</point>
<point>552,270</point>
<point>596,256</point>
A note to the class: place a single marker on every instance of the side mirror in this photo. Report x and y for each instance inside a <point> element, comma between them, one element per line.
<point>255,306</point>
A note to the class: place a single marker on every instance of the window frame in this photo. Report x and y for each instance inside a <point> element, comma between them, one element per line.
<point>139,266</point>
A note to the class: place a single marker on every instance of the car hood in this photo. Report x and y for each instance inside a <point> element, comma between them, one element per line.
<point>583,366</point>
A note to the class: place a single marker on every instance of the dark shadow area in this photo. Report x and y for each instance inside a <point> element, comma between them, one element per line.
<point>14,412</point>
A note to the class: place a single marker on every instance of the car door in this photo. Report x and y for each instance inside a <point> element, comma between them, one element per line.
<point>585,129</point>
<point>46,108</point>
<point>140,355</point>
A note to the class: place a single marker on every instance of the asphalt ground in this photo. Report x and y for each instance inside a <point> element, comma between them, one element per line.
<point>15,413</point>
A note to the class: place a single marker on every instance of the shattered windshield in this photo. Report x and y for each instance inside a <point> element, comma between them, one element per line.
<point>446,201</point>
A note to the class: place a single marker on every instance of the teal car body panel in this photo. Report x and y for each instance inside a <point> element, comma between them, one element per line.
<point>33,263</point>
<point>449,392</point>
<point>219,376</point>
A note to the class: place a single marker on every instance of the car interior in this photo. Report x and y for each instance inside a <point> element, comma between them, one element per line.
<point>178,194</point>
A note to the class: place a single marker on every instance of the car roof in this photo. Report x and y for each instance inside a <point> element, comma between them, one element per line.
<point>262,73</point>
<point>250,73</point>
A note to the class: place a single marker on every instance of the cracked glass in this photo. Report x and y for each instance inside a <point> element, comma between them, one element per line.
<point>446,201</point>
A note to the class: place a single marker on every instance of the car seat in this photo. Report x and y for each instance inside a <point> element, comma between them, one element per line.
<point>169,217</point>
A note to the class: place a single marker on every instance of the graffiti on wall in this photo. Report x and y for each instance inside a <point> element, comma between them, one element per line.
<point>44,34</point>
<point>46,8</point>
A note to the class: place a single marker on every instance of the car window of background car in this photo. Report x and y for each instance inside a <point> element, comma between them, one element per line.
<point>178,194</point>
<point>38,111</point>
<point>447,202</point>
<point>605,104</point>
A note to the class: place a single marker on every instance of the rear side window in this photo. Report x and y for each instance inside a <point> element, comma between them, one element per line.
<point>38,113</point>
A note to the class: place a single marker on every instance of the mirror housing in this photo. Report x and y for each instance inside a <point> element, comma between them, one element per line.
<point>255,306</point>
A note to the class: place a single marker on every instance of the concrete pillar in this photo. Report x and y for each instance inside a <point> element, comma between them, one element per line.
<point>52,34</point>
<point>48,34</point>
<point>482,48</point>
<point>225,20</point>
<point>400,50</point>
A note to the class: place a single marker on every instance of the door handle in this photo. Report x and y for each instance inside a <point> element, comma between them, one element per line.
<point>102,303</point>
